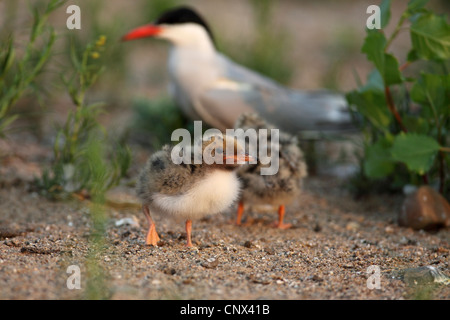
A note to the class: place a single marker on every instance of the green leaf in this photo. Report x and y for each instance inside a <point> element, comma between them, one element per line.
<point>415,5</point>
<point>6,58</point>
<point>378,162</point>
<point>374,82</point>
<point>391,73</point>
<point>372,105</point>
<point>416,124</point>
<point>386,64</point>
<point>433,90</point>
<point>370,101</point>
<point>385,12</point>
<point>412,56</point>
<point>416,151</point>
<point>430,36</point>
<point>373,47</point>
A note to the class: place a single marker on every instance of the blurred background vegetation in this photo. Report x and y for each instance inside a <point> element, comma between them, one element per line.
<point>302,44</point>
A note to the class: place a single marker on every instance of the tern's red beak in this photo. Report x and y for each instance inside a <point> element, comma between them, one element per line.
<point>148,30</point>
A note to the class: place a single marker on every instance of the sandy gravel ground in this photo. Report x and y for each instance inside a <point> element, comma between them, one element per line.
<point>335,239</point>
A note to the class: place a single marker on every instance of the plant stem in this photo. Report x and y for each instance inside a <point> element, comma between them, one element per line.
<point>393,109</point>
<point>405,65</point>
<point>441,172</point>
<point>391,106</point>
<point>388,94</point>
<point>425,178</point>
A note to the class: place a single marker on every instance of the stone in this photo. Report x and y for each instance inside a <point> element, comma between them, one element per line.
<point>352,226</point>
<point>8,232</point>
<point>129,221</point>
<point>425,275</point>
<point>122,198</point>
<point>210,263</point>
<point>425,209</point>
<point>248,244</point>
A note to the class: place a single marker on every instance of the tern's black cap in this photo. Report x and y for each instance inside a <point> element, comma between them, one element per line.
<point>181,15</point>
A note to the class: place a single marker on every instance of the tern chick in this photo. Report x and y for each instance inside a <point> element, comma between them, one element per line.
<point>190,191</point>
<point>279,189</point>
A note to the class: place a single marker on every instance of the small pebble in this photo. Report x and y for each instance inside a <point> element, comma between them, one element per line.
<point>317,228</point>
<point>210,263</point>
<point>169,271</point>
<point>316,278</point>
<point>248,244</point>
<point>352,226</point>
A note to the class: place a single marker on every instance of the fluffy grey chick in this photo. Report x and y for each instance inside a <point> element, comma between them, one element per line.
<point>279,189</point>
<point>190,191</point>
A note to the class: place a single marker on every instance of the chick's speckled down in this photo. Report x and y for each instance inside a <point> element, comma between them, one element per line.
<point>285,185</point>
<point>161,175</point>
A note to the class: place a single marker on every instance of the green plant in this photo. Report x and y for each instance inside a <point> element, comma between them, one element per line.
<point>406,118</point>
<point>19,70</point>
<point>70,172</point>
<point>96,284</point>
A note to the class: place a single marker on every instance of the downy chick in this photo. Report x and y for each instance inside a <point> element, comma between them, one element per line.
<point>279,189</point>
<point>190,191</point>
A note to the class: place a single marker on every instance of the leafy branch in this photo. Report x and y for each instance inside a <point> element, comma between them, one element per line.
<point>416,137</point>
<point>71,173</point>
<point>17,73</point>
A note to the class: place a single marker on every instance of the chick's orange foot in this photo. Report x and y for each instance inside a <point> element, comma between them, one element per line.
<point>152,236</point>
<point>280,224</point>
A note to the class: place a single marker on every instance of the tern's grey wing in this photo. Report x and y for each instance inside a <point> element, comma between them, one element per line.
<point>236,72</point>
<point>288,110</point>
<point>221,105</point>
<point>241,90</point>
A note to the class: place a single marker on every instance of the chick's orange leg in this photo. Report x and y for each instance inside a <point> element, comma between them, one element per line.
<point>239,213</point>
<point>280,224</point>
<point>188,233</point>
<point>152,236</point>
